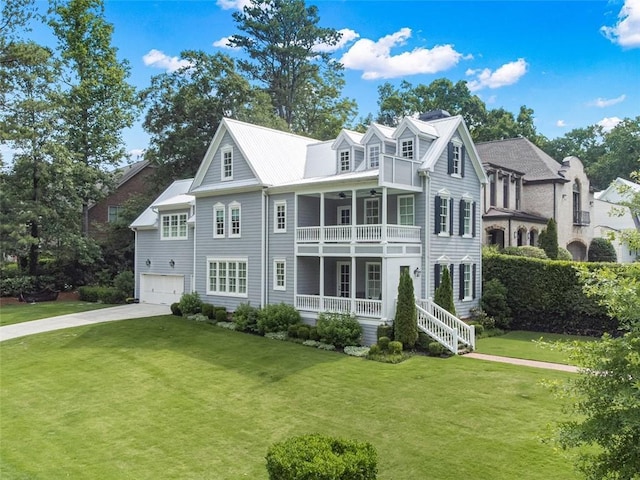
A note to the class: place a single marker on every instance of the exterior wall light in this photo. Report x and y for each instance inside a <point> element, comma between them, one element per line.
<point>416,272</point>
<point>148,262</point>
<point>172,263</point>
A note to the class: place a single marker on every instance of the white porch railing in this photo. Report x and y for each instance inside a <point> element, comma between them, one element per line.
<point>363,233</point>
<point>361,306</point>
<point>443,326</point>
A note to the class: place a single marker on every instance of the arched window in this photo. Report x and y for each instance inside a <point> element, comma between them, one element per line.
<point>577,203</point>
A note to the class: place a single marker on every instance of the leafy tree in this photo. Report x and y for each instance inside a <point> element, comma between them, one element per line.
<point>584,143</point>
<point>601,250</point>
<point>98,103</point>
<point>281,39</point>
<point>603,397</point>
<point>406,321</point>
<point>185,108</point>
<point>548,239</point>
<point>494,303</point>
<point>443,295</point>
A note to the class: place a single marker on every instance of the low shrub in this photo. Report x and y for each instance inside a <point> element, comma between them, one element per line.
<point>375,349</point>
<point>311,343</point>
<point>356,351</point>
<point>125,282</point>
<point>276,335</point>
<point>339,329</point>
<point>383,343</point>
<point>277,318</point>
<point>320,457</point>
<point>89,294</point>
<point>525,251</point>
<point>303,332</point>
<point>208,311</point>
<point>423,341</point>
<point>221,314</point>
<point>246,318</point>
<point>564,254</point>
<point>326,346</point>
<point>480,317</point>
<point>190,303</point>
<point>175,309</point>
<point>478,327</point>
<point>110,295</point>
<point>14,286</point>
<point>435,349</point>
<point>227,325</point>
<point>292,331</point>
<point>313,334</point>
<point>384,330</point>
<point>395,348</point>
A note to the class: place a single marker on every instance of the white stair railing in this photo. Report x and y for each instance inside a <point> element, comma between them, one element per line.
<point>466,333</point>
<point>440,332</point>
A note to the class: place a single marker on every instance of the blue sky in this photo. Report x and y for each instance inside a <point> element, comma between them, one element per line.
<point>575,63</point>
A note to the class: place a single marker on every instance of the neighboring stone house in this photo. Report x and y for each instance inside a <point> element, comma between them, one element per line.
<point>610,218</point>
<point>130,180</point>
<point>274,217</point>
<point>527,187</point>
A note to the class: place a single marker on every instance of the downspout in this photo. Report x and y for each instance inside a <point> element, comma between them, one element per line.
<point>135,263</point>
<point>193,271</point>
<point>264,249</point>
<point>509,232</point>
<point>426,275</point>
<point>555,203</point>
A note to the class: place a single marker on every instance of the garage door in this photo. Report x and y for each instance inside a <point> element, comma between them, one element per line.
<point>161,289</point>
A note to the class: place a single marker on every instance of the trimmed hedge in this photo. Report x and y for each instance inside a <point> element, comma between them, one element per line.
<point>319,457</point>
<point>110,295</point>
<point>546,295</point>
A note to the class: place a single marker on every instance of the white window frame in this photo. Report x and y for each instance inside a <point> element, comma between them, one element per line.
<point>167,231</point>
<point>341,210</point>
<point>413,210</point>
<point>235,206</point>
<point>371,155</point>
<point>445,215</point>
<point>230,276</point>
<point>344,160</point>
<point>339,282</point>
<point>456,160</point>
<point>468,281</point>
<point>371,201</point>
<point>369,283</point>
<point>280,227</point>
<point>219,208</point>
<point>280,274</point>
<point>467,220</point>
<point>407,148</point>
<point>224,165</point>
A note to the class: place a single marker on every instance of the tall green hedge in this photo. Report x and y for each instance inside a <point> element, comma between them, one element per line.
<point>546,295</point>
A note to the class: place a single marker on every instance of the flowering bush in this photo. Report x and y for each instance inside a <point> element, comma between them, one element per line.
<point>356,351</point>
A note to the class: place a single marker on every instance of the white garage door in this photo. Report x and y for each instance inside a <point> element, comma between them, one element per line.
<point>161,289</point>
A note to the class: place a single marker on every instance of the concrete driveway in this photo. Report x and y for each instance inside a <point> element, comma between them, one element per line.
<point>111,314</point>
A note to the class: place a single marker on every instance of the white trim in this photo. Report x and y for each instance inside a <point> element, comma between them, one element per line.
<point>369,147</point>
<point>457,172</point>
<point>219,207</point>
<point>282,287</point>
<point>467,203</point>
<point>377,202</point>
<point>180,224</point>
<point>232,206</point>
<point>276,224</point>
<point>340,209</point>
<point>347,152</point>
<point>223,151</point>
<point>228,284</point>
<point>367,280</point>
<point>413,209</point>
<point>469,266</point>
<point>338,277</point>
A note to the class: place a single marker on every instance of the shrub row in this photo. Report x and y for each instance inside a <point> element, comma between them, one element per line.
<point>547,296</point>
<point>110,295</point>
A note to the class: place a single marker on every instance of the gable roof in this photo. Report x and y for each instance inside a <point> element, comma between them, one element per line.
<point>265,150</point>
<point>521,154</point>
<point>127,172</point>
<point>612,194</point>
<point>175,196</point>
<point>418,127</point>
<point>383,132</point>
<point>352,138</point>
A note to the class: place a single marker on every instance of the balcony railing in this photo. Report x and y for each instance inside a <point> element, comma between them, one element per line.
<point>358,233</point>
<point>359,306</point>
<point>581,218</point>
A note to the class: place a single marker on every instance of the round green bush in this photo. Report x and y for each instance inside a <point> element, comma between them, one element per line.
<point>383,343</point>
<point>435,349</point>
<point>208,311</point>
<point>190,303</point>
<point>246,318</point>
<point>313,334</point>
<point>277,318</point>
<point>125,282</point>
<point>395,347</point>
<point>375,349</point>
<point>221,314</point>
<point>339,329</point>
<point>384,330</point>
<point>175,309</point>
<point>601,250</point>
<point>303,332</point>
<point>564,254</point>
<point>292,331</point>
<point>525,251</point>
<point>479,329</point>
<point>319,457</point>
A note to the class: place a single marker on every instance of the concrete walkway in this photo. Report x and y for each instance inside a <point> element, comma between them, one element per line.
<point>524,363</point>
<point>110,314</point>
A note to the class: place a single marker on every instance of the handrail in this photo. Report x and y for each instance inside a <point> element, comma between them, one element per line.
<point>466,332</point>
<point>440,332</point>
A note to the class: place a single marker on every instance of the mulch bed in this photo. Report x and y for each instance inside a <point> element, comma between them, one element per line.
<point>62,297</point>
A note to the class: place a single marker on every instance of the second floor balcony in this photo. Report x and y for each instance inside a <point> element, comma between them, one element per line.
<point>581,218</point>
<point>359,234</point>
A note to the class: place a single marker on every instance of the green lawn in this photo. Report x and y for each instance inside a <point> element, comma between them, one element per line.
<point>168,398</point>
<point>24,312</point>
<point>521,344</point>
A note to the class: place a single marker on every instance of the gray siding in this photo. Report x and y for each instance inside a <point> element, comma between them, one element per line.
<point>281,246</point>
<point>423,147</point>
<point>358,157</point>
<point>241,169</point>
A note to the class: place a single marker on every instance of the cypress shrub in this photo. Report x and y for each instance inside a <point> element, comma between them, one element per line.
<point>406,320</point>
<point>443,295</point>
<point>601,250</point>
<point>548,239</point>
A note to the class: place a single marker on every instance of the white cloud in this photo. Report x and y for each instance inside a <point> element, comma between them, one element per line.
<point>136,154</point>
<point>508,74</point>
<point>157,59</point>
<point>224,43</point>
<point>232,4</point>
<point>609,123</point>
<point>626,32</point>
<point>603,102</point>
<point>376,61</point>
<point>348,36</point>
<point>561,123</point>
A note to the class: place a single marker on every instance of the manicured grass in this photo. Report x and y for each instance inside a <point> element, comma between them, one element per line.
<point>25,312</point>
<point>168,398</point>
<point>521,344</point>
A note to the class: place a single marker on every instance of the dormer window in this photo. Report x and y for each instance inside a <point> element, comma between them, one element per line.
<point>406,149</point>
<point>374,156</point>
<point>456,159</point>
<point>227,164</point>
<point>345,161</point>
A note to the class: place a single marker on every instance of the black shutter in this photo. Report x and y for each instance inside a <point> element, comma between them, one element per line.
<point>461,219</point>
<point>436,279</point>
<point>436,216</point>
<point>450,158</point>
<point>462,152</point>
<point>451,216</point>
<point>461,281</point>
<point>451,276</point>
<point>473,218</point>
<point>473,281</point>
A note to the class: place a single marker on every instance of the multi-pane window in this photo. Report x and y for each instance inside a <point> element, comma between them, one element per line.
<point>466,214</point>
<point>492,189</point>
<point>114,213</point>
<point>374,281</point>
<point>174,226</point>
<point>218,221</point>
<point>374,156</point>
<point>505,191</point>
<point>443,218</point>
<point>406,149</point>
<point>406,210</point>
<point>371,211</point>
<point>280,217</point>
<point>466,281</point>
<point>345,161</point>
<point>456,158</point>
<point>227,277</point>
<point>234,216</point>
<point>227,164</point>
<point>279,274</point>
<point>518,194</point>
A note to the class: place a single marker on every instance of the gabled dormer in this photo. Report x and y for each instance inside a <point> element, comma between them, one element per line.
<point>413,138</point>
<point>349,151</point>
<point>378,141</point>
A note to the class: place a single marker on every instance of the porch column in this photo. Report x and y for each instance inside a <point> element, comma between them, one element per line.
<point>352,285</point>
<point>384,289</point>
<point>321,217</point>
<point>321,283</point>
<point>354,216</point>
<point>384,215</point>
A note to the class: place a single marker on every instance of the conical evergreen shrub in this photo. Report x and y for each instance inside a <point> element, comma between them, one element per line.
<point>406,321</point>
<point>444,293</point>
